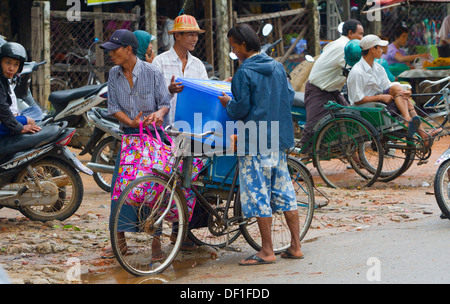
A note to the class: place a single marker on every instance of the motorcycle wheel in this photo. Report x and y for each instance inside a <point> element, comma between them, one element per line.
<point>442,188</point>
<point>105,153</point>
<point>70,190</point>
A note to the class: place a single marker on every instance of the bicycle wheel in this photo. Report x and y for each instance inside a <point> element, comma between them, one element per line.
<point>442,188</point>
<point>152,239</point>
<point>105,153</point>
<point>397,158</point>
<point>206,229</point>
<point>336,150</point>
<point>281,236</point>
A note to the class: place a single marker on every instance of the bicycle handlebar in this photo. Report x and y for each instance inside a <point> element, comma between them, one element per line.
<point>171,131</point>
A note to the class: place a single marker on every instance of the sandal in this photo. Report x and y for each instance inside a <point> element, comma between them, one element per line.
<point>257,259</point>
<point>287,255</point>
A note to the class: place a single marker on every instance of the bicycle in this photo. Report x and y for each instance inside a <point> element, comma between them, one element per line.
<point>153,242</point>
<point>372,141</point>
<point>65,83</point>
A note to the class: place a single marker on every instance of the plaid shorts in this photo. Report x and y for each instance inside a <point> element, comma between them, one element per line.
<point>265,185</point>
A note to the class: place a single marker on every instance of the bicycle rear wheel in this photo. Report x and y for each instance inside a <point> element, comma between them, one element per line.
<point>281,237</point>
<point>442,188</point>
<point>398,156</point>
<point>336,150</point>
<point>152,239</point>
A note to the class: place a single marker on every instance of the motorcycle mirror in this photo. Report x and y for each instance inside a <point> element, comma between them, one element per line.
<point>267,29</point>
<point>309,58</point>
<point>340,26</point>
<point>233,56</point>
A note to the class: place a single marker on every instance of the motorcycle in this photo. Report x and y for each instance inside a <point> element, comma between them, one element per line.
<point>442,180</point>
<point>105,151</point>
<point>39,175</point>
<point>71,106</point>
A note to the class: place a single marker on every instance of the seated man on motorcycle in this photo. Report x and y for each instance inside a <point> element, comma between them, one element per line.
<point>13,57</point>
<point>326,80</point>
<point>368,82</point>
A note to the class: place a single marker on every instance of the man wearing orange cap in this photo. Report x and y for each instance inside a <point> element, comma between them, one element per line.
<point>178,61</point>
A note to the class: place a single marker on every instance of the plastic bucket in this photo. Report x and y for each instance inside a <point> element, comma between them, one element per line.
<point>199,108</point>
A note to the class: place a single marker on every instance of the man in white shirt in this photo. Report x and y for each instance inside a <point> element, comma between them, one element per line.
<point>368,82</point>
<point>178,61</point>
<point>327,79</point>
<point>444,31</point>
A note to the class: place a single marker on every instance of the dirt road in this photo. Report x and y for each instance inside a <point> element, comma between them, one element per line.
<point>69,251</point>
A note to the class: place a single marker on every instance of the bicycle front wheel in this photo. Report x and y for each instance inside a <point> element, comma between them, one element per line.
<point>144,236</point>
<point>336,149</point>
<point>281,236</point>
<point>442,188</point>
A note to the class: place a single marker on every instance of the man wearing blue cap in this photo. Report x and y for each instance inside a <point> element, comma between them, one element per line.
<point>136,91</point>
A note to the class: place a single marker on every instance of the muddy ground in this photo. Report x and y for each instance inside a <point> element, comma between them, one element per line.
<point>69,252</point>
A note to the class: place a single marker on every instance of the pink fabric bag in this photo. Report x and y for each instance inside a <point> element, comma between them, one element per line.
<point>141,153</point>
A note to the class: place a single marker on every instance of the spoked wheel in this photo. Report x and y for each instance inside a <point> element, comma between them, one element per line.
<point>144,236</point>
<point>398,156</point>
<point>281,237</point>
<point>105,153</point>
<point>336,149</point>
<point>442,188</point>
<point>53,174</point>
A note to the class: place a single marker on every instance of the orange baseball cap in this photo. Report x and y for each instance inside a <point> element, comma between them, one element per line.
<point>185,23</point>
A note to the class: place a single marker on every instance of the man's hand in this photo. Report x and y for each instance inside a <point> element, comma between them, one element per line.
<point>136,120</point>
<point>386,98</point>
<point>224,99</point>
<point>30,129</point>
<point>156,117</point>
<point>175,87</point>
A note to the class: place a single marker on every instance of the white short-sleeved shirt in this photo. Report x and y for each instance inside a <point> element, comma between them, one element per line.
<point>365,80</point>
<point>170,64</point>
<point>444,31</point>
<point>326,72</point>
<point>14,108</point>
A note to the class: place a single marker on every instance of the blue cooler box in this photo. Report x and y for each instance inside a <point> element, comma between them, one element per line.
<point>198,104</point>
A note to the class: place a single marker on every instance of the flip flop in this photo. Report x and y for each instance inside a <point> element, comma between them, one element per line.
<point>259,261</point>
<point>287,255</point>
<point>414,125</point>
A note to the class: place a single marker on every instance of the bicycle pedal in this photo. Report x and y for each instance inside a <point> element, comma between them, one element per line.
<point>234,249</point>
<point>422,162</point>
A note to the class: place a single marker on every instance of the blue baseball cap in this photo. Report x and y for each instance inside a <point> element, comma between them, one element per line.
<point>121,38</point>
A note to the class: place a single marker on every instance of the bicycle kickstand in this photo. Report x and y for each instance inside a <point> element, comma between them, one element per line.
<point>227,244</point>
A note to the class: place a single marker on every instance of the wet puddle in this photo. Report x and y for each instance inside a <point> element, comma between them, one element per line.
<point>118,275</point>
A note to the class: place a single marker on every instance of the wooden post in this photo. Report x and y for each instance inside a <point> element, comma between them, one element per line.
<point>209,42</point>
<point>99,53</point>
<point>151,20</point>
<point>223,48</point>
<point>40,51</point>
<point>313,39</point>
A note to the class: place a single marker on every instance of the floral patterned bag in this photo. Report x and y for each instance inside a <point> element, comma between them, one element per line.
<point>141,153</point>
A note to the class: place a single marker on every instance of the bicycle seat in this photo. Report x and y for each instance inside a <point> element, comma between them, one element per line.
<point>299,100</point>
<point>62,98</point>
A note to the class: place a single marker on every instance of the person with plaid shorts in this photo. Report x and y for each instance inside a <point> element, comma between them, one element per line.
<point>262,98</point>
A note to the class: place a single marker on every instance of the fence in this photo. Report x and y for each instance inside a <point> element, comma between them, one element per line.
<point>416,17</point>
<point>68,42</point>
